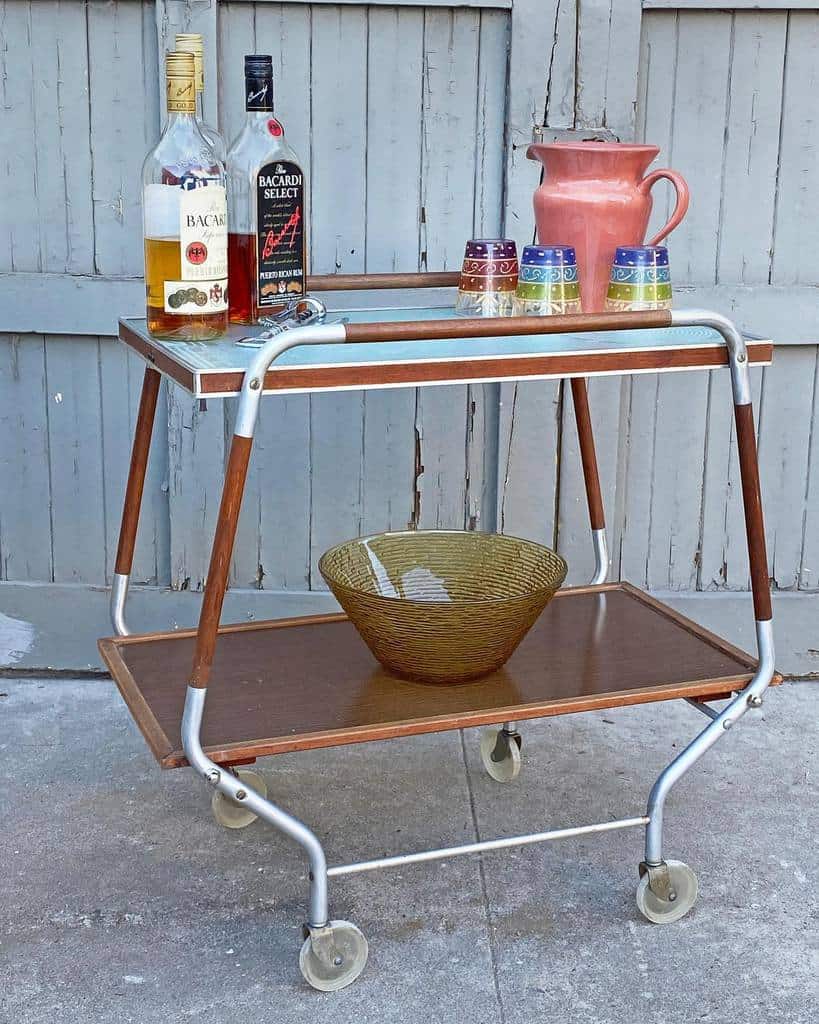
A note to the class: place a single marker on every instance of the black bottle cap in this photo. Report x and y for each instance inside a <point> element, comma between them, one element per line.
<point>258,64</point>
<point>259,81</point>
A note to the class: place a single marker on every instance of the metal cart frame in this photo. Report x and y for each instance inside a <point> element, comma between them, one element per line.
<point>334,952</point>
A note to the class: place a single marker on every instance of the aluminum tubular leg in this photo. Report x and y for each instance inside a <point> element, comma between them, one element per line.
<point>133,499</point>
<point>751,696</point>
<point>220,778</point>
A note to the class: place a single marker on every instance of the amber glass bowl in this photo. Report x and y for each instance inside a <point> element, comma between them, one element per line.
<point>442,606</point>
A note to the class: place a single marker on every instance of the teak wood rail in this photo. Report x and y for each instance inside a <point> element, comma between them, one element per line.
<point>334,952</point>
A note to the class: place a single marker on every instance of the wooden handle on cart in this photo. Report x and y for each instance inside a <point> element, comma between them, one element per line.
<point>369,282</point>
<point>504,327</point>
<point>752,500</point>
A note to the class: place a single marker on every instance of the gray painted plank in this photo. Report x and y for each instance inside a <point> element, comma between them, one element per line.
<point>25,497</point>
<point>786,413</point>
<point>123,128</point>
<point>608,54</point>
<point>751,148</point>
<point>196,460</point>
<point>632,552</point>
<point>809,569</point>
<point>656,95</point>
<point>236,38</point>
<point>530,423</point>
<point>723,550</point>
<point>796,235</point>
<point>339,166</point>
<point>75,458</point>
<point>18,195</point>
<point>532,32</point>
<point>676,486</point>
<point>697,142</point>
<point>59,54</point>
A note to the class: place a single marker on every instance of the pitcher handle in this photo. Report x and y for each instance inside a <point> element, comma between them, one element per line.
<point>681,188</point>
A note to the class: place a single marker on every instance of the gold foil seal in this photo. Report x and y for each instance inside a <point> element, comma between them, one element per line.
<point>180,72</point>
<point>191,42</point>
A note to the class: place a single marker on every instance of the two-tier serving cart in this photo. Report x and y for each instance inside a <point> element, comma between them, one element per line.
<point>303,683</point>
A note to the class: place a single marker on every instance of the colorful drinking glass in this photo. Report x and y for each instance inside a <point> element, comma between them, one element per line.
<point>640,279</point>
<point>548,282</point>
<point>488,278</point>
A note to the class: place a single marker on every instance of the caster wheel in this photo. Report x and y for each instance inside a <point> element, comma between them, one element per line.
<point>500,753</point>
<point>683,888</point>
<point>333,957</point>
<point>227,812</point>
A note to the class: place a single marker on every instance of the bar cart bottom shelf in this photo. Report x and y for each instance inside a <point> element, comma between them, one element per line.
<point>298,684</point>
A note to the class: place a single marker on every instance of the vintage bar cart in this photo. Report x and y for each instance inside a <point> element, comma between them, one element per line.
<point>310,682</point>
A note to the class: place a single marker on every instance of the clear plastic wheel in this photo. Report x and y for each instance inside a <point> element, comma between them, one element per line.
<point>333,957</point>
<point>231,814</point>
<point>500,753</point>
<point>682,894</point>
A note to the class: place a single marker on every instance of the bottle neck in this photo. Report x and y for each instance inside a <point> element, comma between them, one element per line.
<point>259,95</point>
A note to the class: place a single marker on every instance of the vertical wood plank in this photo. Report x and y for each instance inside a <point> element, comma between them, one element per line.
<point>75,453</point>
<point>123,129</point>
<point>698,139</point>
<point>339,162</point>
<point>196,464</point>
<point>236,38</point>
<point>785,416</point>
<point>533,37</point>
<point>530,427</point>
<point>809,569</point>
<point>796,232</point>
<point>59,53</point>
<point>25,496</point>
<point>656,98</point>
<point>752,147</point>
<point>20,239</point>
<point>608,53</point>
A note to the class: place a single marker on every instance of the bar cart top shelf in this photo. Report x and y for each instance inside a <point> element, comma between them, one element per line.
<point>216,369</point>
<point>298,684</point>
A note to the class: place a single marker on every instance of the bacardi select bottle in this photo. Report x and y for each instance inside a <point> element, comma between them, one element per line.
<point>184,205</point>
<point>268,255</point>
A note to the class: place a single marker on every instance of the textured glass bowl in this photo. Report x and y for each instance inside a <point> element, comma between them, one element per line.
<point>442,606</point>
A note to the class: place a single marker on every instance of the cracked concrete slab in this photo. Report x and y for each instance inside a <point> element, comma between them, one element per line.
<point>124,901</point>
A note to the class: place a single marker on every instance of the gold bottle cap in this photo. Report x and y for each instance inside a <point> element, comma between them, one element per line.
<point>180,72</point>
<point>192,42</point>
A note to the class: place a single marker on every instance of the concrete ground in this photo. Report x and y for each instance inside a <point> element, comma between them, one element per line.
<point>122,900</point>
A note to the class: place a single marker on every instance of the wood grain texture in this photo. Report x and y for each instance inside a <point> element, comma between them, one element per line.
<point>221,553</point>
<point>136,473</point>
<point>752,500</point>
<point>592,648</point>
<point>591,476</point>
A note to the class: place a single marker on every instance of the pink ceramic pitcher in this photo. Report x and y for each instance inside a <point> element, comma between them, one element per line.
<point>596,196</point>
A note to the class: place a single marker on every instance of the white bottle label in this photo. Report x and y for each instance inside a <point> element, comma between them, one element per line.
<point>203,232</point>
<point>183,298</point>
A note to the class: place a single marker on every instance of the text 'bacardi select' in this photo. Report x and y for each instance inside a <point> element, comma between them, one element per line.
<point>268,254</point>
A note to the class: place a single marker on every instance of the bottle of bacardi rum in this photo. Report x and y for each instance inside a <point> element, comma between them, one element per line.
<point>184,206</point>
<point>266,183</point>
<point>192,42</point>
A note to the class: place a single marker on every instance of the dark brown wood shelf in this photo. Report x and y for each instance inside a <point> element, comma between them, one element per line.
<point>296,684</point>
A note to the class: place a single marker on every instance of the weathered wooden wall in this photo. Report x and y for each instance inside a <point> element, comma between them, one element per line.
<point>400,112</point>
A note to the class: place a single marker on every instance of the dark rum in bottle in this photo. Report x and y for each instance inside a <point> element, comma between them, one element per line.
<point>267,255</point>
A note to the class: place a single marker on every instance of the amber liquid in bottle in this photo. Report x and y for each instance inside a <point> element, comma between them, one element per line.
<point>242,264</point>
<point>163,263</point>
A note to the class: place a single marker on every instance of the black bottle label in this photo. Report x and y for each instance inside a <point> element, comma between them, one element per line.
<point>280,220</point>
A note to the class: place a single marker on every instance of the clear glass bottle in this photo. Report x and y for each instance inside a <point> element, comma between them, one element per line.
<point>184,212</point>
<point>192,42</point>
<point>267,202</point>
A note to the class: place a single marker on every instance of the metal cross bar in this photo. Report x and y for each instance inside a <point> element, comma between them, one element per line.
<point>489,844</point>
